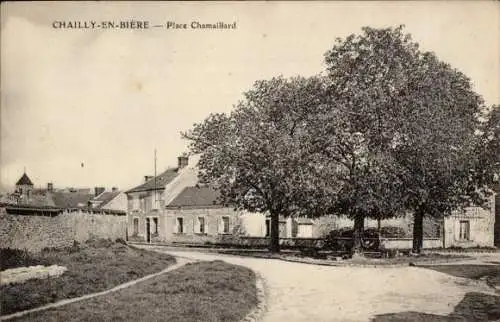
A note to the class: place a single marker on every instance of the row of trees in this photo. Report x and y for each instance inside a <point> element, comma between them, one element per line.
<point>386,130</point>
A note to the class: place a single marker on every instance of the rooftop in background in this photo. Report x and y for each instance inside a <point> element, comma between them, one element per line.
<point>104,198</point>
<point>159,184</point>
<point>71,199</point>
<point>197,196</point>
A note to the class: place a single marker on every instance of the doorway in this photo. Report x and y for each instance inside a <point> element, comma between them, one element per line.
<point>148,230</point>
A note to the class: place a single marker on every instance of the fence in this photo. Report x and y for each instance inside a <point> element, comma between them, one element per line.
<point>333,244</point>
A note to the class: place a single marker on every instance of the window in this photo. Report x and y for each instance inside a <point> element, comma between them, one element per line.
<point>155,226</point>
<point>136,226</point>
<point>464,230</point>
<point>201,225</point>
<point>438,231</point>
<point>180,225</point>
<point>268,227</point>
<point>225,225</point>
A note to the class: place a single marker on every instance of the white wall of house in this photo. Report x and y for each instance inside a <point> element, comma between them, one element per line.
<point>117,203</point>
<point>186,177</point>
<point>470,228</point>
<point>254,224</point>
<point>305,231</point>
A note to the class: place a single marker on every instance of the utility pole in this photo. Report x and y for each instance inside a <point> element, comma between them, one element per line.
<point>156,197</point>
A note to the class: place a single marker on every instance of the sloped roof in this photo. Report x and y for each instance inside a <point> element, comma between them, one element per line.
<point>161,181</point>
<point>196,197</point>
<point>105,197</point>
<point>70,199</point>
<point>24,180</point>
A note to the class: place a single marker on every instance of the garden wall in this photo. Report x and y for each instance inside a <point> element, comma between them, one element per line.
<point>34,233</point>
<point>407,243</point>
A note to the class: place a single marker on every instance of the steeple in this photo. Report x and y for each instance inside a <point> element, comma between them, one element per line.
<point>24,180</point>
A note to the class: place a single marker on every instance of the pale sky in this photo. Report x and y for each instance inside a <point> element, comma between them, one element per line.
<point>108,98</point>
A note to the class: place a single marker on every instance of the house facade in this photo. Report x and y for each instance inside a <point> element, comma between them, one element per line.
<point>109,200</point>
<point>146,202</point>
<point>174,208</point>
<point>196,216</point>
<point>471,227</point>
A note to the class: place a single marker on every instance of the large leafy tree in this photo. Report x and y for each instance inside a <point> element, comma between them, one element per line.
<point>488,149</point>
<point>364,76</point>
<point>416,112</point>
<point>258,155</point>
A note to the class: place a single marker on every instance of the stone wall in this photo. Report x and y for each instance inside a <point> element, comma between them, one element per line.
<point>407,243</point>
<point>37,232</point>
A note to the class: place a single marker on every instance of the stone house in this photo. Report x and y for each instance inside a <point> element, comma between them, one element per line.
<point>109,200</point>
<point>471,227</point>
<point>146,202</point>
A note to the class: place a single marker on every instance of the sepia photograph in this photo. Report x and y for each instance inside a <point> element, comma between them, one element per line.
<point>250,161</point>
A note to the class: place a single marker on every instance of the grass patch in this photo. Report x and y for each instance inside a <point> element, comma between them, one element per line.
<point>204,291</point>
<point>491,273</point>
<point>92,267</point>
<point>473,307</point>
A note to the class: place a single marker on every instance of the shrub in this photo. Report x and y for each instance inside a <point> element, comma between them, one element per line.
<point>342,239</point>
<point>99,242</point>
<point>12,258</point>
<point>393,232</point>
<point>121,241</point>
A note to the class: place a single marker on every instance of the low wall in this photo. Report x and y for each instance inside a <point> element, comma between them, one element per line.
<point>407,243</point>
<point>34,233</point>
<point>319,243</point>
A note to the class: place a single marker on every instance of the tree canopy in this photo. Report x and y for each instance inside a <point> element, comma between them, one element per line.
<point>417,111</point>
<point>389,129</point>
<point>257,156</point>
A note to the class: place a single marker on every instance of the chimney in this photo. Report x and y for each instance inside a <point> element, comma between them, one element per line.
<point>182,161</point>
<point>50,186</point>
<point>114,189</point>
<point>99,190</point>
<point>147,178</point>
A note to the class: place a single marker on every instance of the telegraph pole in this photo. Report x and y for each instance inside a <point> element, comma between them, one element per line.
<point>156,198</point>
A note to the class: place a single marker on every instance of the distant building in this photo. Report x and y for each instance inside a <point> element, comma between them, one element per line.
<point>110,200</point>
<point>24,189</point>
<point>27,197</point>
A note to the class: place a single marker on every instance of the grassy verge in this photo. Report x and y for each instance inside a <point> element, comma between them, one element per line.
<point>205,291</point>
<point>92,267</point>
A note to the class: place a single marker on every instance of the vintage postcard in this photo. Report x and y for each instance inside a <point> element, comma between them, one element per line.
<point>250,161</point>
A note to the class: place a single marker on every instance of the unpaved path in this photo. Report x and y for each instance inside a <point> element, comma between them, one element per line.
<point>304,292</point>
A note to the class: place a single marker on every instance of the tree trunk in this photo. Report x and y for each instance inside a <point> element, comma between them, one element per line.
<point>359,223</point>
<point>274,247</point>
<point>418,231</point>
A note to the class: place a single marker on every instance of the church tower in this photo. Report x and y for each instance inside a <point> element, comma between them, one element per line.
<point>24,188</point>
